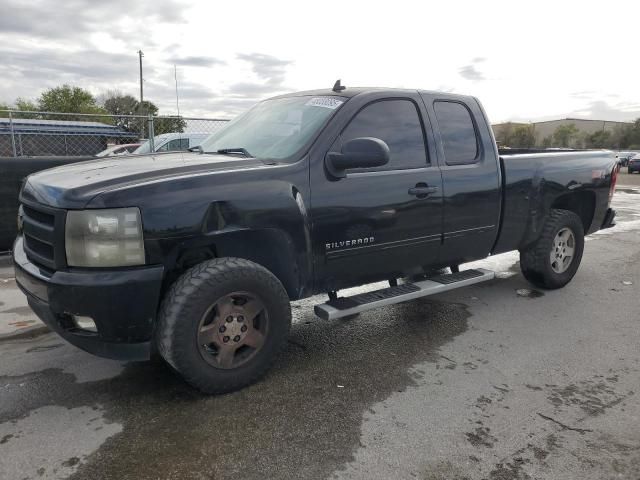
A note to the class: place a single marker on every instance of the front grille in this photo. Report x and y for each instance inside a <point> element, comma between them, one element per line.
<point>42,249</point>
<point>42,217</point>
<point>43,230</point>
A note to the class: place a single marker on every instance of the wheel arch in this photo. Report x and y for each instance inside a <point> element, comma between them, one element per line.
<point>581,203</point>
<point>271,248</point>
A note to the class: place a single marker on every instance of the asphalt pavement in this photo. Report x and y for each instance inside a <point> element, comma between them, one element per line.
<point>496,381</point>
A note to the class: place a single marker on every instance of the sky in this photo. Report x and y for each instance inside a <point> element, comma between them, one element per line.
<point>526,61</point>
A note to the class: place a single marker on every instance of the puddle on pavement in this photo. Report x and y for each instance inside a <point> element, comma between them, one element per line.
<point>296,420</point>
<point>633,191</point>
<point>31,457</point>
<point>529,293</point>
<point>44,348</point>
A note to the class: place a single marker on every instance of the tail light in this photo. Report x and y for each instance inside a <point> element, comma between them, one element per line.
<point>614,179</point>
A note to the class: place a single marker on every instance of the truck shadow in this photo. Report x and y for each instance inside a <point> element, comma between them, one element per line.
<point>306,413</point>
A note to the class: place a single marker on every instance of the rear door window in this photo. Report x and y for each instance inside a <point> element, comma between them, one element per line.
<point>458,133</point>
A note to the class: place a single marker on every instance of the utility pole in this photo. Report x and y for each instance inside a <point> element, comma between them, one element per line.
<point>140,55</point>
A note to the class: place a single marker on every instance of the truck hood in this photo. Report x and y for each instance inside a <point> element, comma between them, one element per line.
<point>74,185</point>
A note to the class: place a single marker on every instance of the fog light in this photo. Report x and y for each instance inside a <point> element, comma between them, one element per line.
<point>85,323</point>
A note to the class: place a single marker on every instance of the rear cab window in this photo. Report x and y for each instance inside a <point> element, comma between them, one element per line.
<point>459,137</point>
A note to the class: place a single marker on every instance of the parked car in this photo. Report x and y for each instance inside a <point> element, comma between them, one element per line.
<point>114,150</point>
<point>172,142</point>
<point>623,157</point>
<point>634,164</point>
<point>198,254</point>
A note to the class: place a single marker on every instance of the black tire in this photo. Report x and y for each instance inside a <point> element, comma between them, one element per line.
<point>535,261</point>
<point>188,302</point>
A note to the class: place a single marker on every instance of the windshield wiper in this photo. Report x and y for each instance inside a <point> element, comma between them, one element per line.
<point>235,151</point>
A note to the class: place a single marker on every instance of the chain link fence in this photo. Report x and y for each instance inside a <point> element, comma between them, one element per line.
<point>34,134</point>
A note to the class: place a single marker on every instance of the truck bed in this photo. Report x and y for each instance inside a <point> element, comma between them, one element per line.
<point>583,177</point>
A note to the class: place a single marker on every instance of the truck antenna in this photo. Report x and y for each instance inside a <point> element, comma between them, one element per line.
<point>175,76</point>
<point>337,87</point>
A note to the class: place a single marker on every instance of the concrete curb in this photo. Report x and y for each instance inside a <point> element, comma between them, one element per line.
<point>29,332</point>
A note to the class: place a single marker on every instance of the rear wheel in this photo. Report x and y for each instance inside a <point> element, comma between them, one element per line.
<point>222,323</point>
<point>553,260</point>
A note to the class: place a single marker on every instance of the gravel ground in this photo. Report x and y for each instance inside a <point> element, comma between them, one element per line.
<point>496,381</point>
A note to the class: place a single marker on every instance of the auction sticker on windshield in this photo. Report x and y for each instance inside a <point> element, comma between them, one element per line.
<point>326,102</point>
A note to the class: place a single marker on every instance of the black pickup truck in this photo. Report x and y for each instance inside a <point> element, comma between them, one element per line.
<point>196,255</point>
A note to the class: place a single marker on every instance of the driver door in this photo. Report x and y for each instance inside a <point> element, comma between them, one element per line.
<point>374,223</point>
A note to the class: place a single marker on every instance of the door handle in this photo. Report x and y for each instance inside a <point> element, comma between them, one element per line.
<point>422,190</point>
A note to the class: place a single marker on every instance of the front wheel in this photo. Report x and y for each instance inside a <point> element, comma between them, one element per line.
<point>553,260</point>
<point>222,323</point>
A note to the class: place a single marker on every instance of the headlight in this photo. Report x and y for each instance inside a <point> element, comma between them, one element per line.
<point>104,238</point>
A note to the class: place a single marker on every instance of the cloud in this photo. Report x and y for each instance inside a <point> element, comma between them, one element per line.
<point>594,110</point>
<point>270,68</point>
<point>196,61</point>
<point>470,72</point>
<point>445,88</point>
<point>213,106</point>
<point>161,93</point>
<point>584,94</point>
<point>601,110</point>
<point>247,89</point>
<point>43,64</point>
<point>56,20</point>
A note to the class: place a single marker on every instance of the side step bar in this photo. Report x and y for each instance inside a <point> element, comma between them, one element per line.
<point>345,306</point>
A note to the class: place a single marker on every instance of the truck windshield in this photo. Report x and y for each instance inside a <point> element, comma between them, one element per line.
<point>275,128</point>
<point>144,148</point>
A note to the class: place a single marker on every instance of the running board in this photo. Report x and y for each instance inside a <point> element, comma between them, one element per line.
<point>345,306</point>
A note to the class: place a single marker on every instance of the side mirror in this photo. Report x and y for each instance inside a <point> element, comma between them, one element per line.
<point>364,152</point>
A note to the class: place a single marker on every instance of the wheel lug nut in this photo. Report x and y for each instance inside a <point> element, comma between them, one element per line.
<point>244,328</point>
<point>225,339</point>
<point>229,319</point>
<point>223,329</point>
<point>240,318</point>
<point>236,338</point>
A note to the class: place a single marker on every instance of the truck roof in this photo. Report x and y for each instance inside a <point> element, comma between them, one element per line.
<point>353,91</point>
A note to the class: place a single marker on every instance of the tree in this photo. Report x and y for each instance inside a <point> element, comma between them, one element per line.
<point>68,99</point>
<point>26,105</point>
<point>503,135</point>
<point>633,135</point>
<point>547,141</point>
<point>162,125</point>
<point>118,104</point>
<point>20,104</point>
<point>169,124</point>
<point>564,134</point>
<point>599,139</point>
<point>524,136</point>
